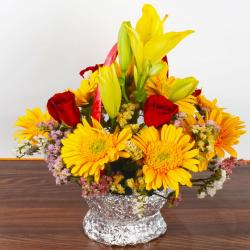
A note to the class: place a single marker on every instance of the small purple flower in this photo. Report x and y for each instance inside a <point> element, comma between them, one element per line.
<point>59,133</point>
<point>230,163</point>
<point>52,152</point>
<point>50,147</point>
<point>96,189</point>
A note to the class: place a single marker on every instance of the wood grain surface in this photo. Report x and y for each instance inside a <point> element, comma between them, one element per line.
<point>37,214</point>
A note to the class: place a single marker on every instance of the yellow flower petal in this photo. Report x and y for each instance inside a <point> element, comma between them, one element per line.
<point>87,149</point>
<point>167,155</point>
<point>159,46</point>
<point>150,24</point>
<point>29,124</point>
<point>110,90</point>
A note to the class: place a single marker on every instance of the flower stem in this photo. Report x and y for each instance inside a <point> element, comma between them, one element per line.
<point>140,93</point>
<point>201,179</point>
<point>123,89</point>
<point>113,122</point>
<point>164,197</point>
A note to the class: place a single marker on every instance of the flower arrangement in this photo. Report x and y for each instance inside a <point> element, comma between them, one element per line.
<point>131,128</point>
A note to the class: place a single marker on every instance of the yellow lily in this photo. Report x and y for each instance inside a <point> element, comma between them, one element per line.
<point>110,90</point>
<point>154,50</point>
<point>158,47</point>
<point>149,45</point>
<point>148,39</point>
<point>150,24</point>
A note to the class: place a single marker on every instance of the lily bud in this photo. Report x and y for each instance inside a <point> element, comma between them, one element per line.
<point>182,88</point>
<point>110,90</point>
<point>136,46</point>
<point>124,49</point>
<point>156,69</point>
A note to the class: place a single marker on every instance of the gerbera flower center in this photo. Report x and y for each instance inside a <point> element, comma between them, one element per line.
<point>97,146</point>
<point>163,157</point>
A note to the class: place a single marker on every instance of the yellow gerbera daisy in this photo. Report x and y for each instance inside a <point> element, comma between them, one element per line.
<point>161,85</point>
<point>88,149</point>
<point>187,105</point>
<point>231,128</point>
<point>168,156</point>
<point>204,155</point>
<point>203,102</point>
<point>86,89</point>
<point>29,123</point>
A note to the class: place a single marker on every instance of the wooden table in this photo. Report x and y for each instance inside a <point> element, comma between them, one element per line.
<point>37,214</point>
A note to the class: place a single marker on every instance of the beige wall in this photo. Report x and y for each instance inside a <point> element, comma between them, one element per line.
<point>44,44</point>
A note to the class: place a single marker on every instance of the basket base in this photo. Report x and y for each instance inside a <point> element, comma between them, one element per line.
<point>115,232</point>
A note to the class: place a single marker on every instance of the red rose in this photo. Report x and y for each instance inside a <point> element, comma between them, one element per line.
<point>158,110</point>
<point>62,107</point>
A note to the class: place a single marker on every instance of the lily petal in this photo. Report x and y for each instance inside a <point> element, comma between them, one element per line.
<point>159,46</point>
